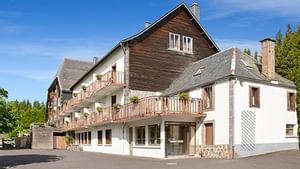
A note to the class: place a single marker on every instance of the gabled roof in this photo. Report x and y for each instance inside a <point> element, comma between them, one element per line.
<point>152,27</point>
<point>70,72</point>
<point>229,63</point>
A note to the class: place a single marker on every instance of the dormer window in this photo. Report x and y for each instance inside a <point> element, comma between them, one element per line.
<point>187,43</point>
<point>174,41</point>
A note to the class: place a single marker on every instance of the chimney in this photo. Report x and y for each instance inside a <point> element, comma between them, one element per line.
<point>268,57</point>
<point>95,59</point>
<point>147,24</point>
<point>195,10</point>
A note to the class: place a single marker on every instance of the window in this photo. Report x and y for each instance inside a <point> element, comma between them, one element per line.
<point>108,136</point>
<point>89,137</point>
<point>82,138</point>
<point>154,134</point>
<point>140,135</point>
<point>174,41</point>
<point>254,99</point>
<point>85,137</point>
<point>113,100</point>
<point>187,44</point>
<point>208,97</point>
<point>289,130</point>
<point>291,101</point>
<point>100,137</point>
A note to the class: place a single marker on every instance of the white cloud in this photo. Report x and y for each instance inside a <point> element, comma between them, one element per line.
<point>286,8</point>
<point>50,51</point>
<point>241,44</point>
<point>37,75</point>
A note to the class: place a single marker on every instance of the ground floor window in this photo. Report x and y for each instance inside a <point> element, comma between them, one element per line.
<point>290,129</point>
<point>83,138</point>
<point>89,137</point>
<point>140,135</point>
<point>108,136</point>
<point>100,137</point>
<point>154,134</point>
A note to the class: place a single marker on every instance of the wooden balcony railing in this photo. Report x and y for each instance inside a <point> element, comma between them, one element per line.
<point>145,108</point>
<point>108,79</point>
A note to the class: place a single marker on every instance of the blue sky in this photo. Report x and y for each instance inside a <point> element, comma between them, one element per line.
<point>35,35</point>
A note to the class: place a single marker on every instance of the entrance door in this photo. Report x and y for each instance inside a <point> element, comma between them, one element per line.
<point>114,73</point>
<point>180,138</point>
<point>130,140</point>
<point>209,133</point>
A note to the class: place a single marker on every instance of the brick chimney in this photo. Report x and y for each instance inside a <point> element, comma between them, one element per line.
<point>268,57</point>
<point>195,10</point>
<point>95,59</point>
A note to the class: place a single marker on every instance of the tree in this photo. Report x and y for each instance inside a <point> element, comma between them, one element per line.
<point>3,93</point>
<point>247,51</point>
<point>288,59</point>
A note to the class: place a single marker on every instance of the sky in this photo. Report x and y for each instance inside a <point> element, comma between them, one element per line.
<point>35,35</point>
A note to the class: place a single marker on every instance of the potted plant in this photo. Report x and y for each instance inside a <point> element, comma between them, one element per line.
<point>117,106</point>
<point>183,96</point>
<point>86,114</point>
<point>99,109</point>
<point>65,101</point>
<point>134,99</point>
<point>98,76</point>
<point>83,87</point>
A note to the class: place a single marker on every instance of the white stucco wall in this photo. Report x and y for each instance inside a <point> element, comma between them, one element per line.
<point>119,144</point>
<point>219,115</point>
<point>270,118</point>
<point>116,58</point>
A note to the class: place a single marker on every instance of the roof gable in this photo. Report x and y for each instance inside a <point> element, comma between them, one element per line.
<point>70,71</point>
<point>150,28</point>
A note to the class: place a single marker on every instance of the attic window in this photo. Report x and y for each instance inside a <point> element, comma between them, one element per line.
<point>246,64</point>
<point>199,72</point>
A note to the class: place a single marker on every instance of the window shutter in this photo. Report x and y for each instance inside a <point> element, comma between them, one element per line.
<point>288,101</point>
<point>250,97</point>
<point>258,97</point>
<point>293,102</point>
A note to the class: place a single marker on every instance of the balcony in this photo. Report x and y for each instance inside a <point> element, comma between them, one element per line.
<point>145,108</point>
<point>108,83</point>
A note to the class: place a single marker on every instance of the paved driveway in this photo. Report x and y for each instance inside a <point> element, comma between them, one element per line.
<point>41,159</point>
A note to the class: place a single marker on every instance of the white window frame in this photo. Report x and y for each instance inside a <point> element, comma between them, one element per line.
<point>187,47</point>
<point>172,43</point>
<point>290,128</point>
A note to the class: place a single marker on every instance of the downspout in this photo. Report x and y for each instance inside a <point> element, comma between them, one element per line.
<point>232,82</point>
<point>123,132</point>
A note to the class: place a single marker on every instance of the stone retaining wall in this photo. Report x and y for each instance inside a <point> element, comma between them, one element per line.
<point>214,151</point>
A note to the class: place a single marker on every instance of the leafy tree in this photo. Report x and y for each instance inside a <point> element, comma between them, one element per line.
<point>247,51</point>
<point>3,93</point>
<point>288,59</point>
<point>17,116</point>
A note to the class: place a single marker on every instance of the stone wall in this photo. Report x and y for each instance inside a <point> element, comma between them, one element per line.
<point>214,151</point>
<point>42,137</point>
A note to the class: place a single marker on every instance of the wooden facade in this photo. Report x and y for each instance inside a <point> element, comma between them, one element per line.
<point>152,65</point>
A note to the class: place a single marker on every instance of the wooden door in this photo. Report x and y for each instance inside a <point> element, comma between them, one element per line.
<point>59,142</point>
<point>209,134</point>
<point>113,100</point>
<point>114,73</point>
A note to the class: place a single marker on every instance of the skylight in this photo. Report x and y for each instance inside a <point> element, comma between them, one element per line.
<point>199,72</point>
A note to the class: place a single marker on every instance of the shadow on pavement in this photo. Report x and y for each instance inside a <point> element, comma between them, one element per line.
<point>15,160</point>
